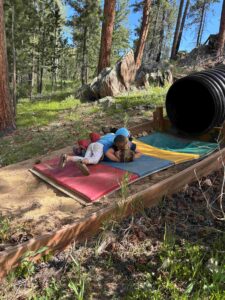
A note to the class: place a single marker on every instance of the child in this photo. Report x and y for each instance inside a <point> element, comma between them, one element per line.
<point>121,142</point>
<point>96,151</point>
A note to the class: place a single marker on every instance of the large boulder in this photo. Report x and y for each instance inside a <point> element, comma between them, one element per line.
<point>111,81</point>
<point>127,69</point>
<point>154,73</point>
<point>110,85</point>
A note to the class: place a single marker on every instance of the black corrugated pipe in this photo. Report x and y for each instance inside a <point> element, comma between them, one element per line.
<point>196,103</point>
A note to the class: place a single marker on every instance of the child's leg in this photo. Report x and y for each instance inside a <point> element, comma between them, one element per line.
<point>93,154</point>
<point>73,158</point>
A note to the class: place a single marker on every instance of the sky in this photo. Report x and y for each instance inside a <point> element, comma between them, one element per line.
<point>188,39</point>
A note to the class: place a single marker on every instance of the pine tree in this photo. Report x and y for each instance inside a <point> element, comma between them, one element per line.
<point>182,26</point>
<point>120,40</point>
<point>177,30</point>
<point>162,20</point>
<point>86,34</point>
<point>143,33</point>
<point>107,34</point>
<point>34,28</point>
<point>6,111</point>
<point>221,37</point>
<point>197,17</point>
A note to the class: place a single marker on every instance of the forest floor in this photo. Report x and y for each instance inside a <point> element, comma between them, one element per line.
<point>172,251</point>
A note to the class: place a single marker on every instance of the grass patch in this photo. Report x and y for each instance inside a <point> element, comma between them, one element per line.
<point>42,112</point>
<point>154,96</point>
<point>28,145</point>
<point>186,271</point>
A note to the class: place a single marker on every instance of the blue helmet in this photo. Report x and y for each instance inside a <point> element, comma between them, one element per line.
<point>123,131</point>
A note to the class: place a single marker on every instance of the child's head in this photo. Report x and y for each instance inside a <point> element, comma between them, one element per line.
<point>123,131</point>
<point>125,155</point>
<point>121,142</point>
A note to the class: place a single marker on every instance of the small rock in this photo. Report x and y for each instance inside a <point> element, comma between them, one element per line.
<point>208,182</point>
<point>119,106</point>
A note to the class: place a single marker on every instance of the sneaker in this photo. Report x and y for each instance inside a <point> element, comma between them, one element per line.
<point>62,161</point>
<point>82,167</point>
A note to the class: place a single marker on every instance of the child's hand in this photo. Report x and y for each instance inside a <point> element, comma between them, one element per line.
<point>137,154</point>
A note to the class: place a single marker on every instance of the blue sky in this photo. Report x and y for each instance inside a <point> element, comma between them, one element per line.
<point>188,40</point>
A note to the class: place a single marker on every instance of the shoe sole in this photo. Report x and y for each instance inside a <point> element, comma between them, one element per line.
<point>83,168</point>
<point>62,161</point>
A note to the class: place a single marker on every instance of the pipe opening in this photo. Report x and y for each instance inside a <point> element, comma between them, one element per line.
<point>190,106</point>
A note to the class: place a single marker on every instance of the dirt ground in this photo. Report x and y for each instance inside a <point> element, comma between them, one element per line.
<point>116,261</point>
<point>33,207</point>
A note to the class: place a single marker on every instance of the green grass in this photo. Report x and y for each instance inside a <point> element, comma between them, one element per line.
<point>153,95</point>
<point>42,112</point>
<point>187,271</point>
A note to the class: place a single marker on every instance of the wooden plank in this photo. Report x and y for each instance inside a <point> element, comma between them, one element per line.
<point>88,226</point>
<point>158,121</point>
<point>146,126</point>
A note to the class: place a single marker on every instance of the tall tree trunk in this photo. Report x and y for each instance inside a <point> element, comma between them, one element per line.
<point>200,25</point>
<point>161,36</point>
<point>41,68</point>
<point>6,110</point>
<point>40,85</point>
<point>14,61</point>
<point>32,74</point>
<point>182,26</point>
<point>38,72</point>
<point>84,59</point>
<point>221,37</point>
<point>143,34</point>
<point>107,33</point>
<point>151,47</point>
<point>203,26</point>
<point>177,30</point>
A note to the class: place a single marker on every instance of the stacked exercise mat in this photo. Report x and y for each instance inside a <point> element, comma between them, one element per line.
<point>160,151</point>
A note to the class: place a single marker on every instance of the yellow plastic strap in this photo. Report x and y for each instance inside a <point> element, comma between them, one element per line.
<point>176,157</point>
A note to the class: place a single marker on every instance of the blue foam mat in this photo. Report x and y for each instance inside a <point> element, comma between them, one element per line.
<point>145,165</point>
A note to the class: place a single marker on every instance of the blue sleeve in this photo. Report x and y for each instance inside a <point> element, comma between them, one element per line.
<point>133,147</point>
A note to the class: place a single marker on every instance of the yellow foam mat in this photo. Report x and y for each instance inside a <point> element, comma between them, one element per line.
<point>164,154</point>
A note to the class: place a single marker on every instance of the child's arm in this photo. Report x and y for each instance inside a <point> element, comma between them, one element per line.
<point>111,155</point>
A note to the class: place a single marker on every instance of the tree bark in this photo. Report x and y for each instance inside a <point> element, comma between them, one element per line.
<point>143,34</point>
<point>203,26</point>
<point>107,33</point>
<point>161,37</point>
<point>182,26</point>
<point>14,62</point>
<point>177,30</point>
<point>151,47</point>
<point>6,110</point>
<point>84,59</point>
<point>221,37</point>
<point>200,25</point>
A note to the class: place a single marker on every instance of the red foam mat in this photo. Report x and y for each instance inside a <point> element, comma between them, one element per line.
<point>101,181</point>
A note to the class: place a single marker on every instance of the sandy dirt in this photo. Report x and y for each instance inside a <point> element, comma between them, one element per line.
<point>34,207</point>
